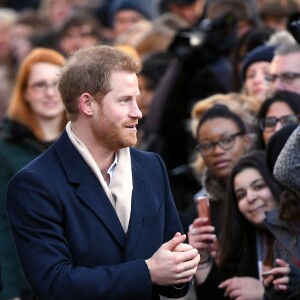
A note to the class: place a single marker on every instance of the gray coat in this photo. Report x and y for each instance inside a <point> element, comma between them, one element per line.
<point>287,166</point>
<point>286,247</point>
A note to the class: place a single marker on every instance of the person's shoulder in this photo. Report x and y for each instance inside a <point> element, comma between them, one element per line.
<point>40,163</point>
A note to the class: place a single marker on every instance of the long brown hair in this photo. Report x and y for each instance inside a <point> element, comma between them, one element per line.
<point>18,109</point>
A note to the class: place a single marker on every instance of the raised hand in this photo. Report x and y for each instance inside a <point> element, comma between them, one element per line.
<point>201,237</point>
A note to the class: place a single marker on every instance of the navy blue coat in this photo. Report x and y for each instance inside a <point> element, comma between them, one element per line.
<point>69,239</point>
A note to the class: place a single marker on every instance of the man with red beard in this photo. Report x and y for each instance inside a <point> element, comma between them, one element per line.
<point>96,217</point>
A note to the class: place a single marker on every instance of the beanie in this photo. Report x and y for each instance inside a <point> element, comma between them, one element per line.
<point>277,143</point>
<point>260,53</point>
<point>145,8</point>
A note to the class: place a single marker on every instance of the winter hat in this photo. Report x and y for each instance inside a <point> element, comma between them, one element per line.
<point>287,166</point>
<point>243,9</point>
<point>145,8</point>
<point>260,53</point>
<point>277,143</point>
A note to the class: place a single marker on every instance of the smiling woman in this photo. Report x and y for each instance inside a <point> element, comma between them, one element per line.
<point>222,139</point>
<point>245,247</point>
<point>35,118</point>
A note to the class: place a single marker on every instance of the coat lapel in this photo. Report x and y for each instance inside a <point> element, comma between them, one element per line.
<point>89,191</point>
<point>137,205</point>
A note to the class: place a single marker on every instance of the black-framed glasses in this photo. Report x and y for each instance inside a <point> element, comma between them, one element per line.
<point>227,142</point>
<point>286,77</point>
<point>269,123</point>
<point>43,86</point>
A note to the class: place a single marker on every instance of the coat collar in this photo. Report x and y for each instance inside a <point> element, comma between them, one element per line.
<point>91,193</point>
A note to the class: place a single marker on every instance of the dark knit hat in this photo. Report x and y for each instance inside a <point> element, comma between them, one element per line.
<point>260,53</point>
<point>277,143</point>
<point>145,8</point>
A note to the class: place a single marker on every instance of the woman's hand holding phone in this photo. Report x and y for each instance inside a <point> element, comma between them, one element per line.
<point>202,237</point>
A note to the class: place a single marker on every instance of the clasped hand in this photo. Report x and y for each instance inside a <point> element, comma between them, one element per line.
<point>174,262</point>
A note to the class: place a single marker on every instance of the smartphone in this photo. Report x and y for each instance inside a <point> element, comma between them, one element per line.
<point>204,208</point>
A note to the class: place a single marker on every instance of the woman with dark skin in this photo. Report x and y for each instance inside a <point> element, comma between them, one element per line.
<point>222,139</point>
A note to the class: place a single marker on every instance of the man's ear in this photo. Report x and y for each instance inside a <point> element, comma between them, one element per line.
<point>86,104</point>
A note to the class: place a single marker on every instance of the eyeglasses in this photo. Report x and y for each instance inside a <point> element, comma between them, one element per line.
<point>269,123</point>
<point>43,86</point>
<point>287,77</point>
<point>226,143</point>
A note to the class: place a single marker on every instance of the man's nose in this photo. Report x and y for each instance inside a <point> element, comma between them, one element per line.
<point>135,111</point>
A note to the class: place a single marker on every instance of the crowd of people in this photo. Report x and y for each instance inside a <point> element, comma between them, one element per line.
<point>116,116</point>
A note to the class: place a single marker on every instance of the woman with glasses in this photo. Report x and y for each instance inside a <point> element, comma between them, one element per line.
<point>281,109</point>
<point>241,113</point>
<point>245,246</point>
<point>222,139</point>
<point>34,120</point>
